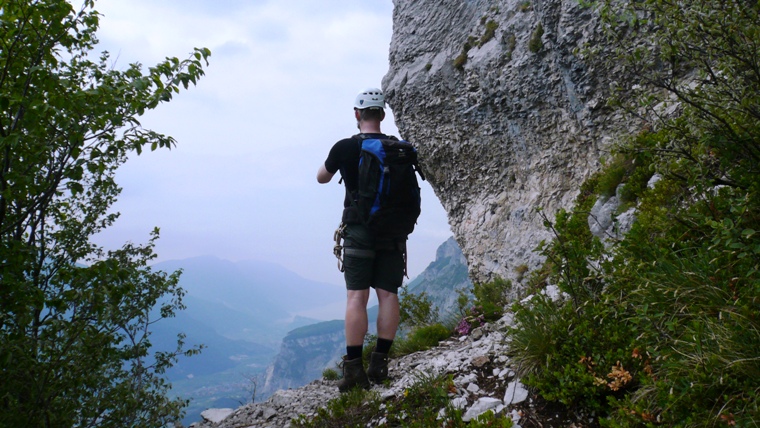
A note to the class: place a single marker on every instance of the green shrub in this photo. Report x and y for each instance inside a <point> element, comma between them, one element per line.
<point>578,350</point>
<point>612,177</point>
<point>419,407</point>
<point>641,167</point>
<point>695,287</point>
<point>491,27</point>
<point>490,301</point>
<point>330,374</point>
<point>534,339</point>
<point>427,394</point>
<point>536,44</point>
<point>690,262</point>
<point>420,404</point>
<point>510,41</point>
<point>419,339</point>
<point>489,419</point>
<point>460,60</point>
<point>77,316</point>
<point>574,357</point>
<point>416,309</point>
<point>538,279</point>
<point>632,166</point>
<point>491,297</point>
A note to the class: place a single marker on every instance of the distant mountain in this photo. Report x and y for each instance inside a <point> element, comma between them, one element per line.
<point>443,277</point>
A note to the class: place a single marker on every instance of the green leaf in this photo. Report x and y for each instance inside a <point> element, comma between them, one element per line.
<point>75,187</point>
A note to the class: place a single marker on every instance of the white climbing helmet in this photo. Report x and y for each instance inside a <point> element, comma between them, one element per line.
<point>370,98</point>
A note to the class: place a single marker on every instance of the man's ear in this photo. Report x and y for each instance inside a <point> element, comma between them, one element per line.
<point>357,115</point>
<point>382,116</point>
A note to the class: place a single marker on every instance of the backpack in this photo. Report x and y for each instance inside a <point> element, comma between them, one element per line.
<point>388,194</point>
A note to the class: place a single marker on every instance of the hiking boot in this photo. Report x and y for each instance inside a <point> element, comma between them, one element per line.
<point>377,371</point>
<point>353,375</point>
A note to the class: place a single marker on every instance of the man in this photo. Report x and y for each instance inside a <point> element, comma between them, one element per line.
<point>368,261</point>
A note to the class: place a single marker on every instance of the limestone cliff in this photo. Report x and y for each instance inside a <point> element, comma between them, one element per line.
<point>508,112</point>
<point>305,352</point>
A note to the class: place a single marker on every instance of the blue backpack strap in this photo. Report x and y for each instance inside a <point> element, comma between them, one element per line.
<point>362,137</point>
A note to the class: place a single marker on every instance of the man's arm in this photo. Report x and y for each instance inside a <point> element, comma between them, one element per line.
<point>323,175</point>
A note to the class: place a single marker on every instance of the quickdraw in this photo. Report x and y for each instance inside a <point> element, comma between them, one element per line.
<point>338,248</point>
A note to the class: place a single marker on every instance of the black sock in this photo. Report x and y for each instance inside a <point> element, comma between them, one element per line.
<point>383,345</point>
<point>353,352</point>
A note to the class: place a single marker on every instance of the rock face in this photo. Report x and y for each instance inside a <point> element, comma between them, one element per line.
<point>508,112</point>
<point>305,352</point>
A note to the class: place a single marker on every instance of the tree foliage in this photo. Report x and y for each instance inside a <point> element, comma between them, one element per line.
<point>74,318</point>
<point>697,72</point>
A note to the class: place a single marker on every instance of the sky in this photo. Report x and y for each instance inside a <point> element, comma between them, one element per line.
<point>277,94</point>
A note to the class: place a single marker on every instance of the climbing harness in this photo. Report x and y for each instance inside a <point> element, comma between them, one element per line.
<point>338,248</point>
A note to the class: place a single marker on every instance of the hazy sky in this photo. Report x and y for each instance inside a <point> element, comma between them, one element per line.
<point>277,94</point>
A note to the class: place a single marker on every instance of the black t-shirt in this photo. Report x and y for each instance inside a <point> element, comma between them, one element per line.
<point>344,157</point>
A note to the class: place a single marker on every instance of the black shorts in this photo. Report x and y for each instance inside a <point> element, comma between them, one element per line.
<point>368,262</point>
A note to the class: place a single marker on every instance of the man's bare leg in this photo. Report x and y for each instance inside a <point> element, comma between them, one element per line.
<point>356,316</point>
<point>388,314</point>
